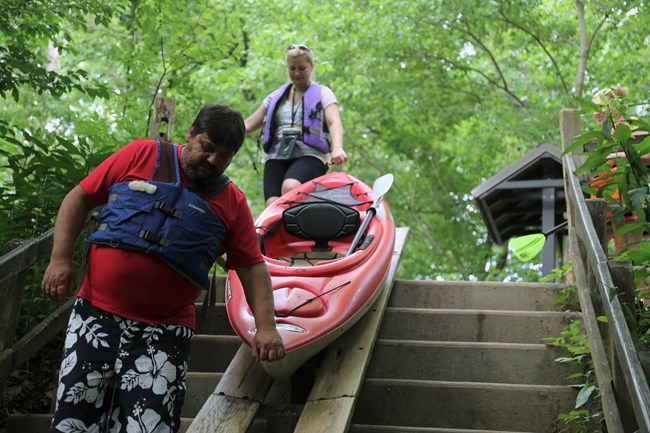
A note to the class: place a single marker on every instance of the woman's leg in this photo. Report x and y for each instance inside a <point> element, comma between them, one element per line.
<point>274,171</point>
<point>302,170</point>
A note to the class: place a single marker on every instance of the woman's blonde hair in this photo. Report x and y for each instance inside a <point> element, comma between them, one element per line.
<point>295,51</point>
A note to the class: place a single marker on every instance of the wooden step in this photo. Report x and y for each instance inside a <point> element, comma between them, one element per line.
<point>475,295</point>
<point>473,325</point>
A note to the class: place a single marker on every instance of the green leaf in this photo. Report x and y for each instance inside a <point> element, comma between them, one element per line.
<point>581,140</point>
<point>583,395</point>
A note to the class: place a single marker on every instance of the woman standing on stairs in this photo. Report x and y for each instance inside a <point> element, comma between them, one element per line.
<point>302,131</point>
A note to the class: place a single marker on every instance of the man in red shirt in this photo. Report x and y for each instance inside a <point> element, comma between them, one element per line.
<point>169,212</point>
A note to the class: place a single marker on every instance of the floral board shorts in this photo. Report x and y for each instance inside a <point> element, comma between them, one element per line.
<point>119,375</point>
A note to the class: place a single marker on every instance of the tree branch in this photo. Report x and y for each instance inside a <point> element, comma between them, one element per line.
<point>159,85</point>
<point>539,42</point>
<point>502,79</point>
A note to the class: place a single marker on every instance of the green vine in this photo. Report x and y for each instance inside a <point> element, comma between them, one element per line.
<point>587,415</point>
<point>617,159</point>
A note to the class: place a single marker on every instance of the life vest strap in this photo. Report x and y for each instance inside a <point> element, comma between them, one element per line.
<point>315,131</point>
<point>164,207</point>
<point>153,238</point>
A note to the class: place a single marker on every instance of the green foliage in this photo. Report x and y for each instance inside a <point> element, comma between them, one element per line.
<point>43,167</point>
<point>568,297</point>
<point>625,188</point>
<point>27,27</point>
<point>442,94</point>
<point>40,163</point>
<point>36,306</point>
<point>586,417</point>
<point>581,421</point>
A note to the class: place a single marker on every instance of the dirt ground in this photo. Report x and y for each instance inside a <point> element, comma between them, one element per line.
<point>32,388</point>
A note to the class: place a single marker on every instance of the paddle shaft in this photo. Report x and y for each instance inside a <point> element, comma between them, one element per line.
<point>379,189</point>
<point>364,225</point>
<point>555,229</point>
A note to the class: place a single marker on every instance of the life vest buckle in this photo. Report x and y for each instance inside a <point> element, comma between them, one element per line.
<point>164,207</point>
<point>147,235</point>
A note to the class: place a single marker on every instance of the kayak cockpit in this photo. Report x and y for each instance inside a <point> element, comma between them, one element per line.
<point>321,222</point>
<point>309,232</point>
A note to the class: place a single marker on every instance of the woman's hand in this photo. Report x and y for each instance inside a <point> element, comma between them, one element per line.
<point>338,157</point>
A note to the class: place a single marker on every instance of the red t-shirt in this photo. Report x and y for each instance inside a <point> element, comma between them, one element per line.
<point>141,286</point>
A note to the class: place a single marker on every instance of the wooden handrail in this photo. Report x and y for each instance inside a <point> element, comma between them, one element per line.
<point>603,285</point>
<point>14,267</point>
<point>26,255</point>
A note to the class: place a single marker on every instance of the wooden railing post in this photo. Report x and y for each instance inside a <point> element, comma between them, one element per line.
<point>162,119</point>
<point>623,278</point>
<point>597,208</point>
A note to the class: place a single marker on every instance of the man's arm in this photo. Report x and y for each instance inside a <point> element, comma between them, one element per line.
<point>256,280</point>
<point>60,276</point>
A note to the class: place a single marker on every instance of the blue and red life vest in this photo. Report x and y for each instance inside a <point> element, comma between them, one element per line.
<point>163,218</point>
<point>314,128</point>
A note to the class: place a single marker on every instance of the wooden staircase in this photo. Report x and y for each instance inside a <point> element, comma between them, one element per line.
<point>450,357</point>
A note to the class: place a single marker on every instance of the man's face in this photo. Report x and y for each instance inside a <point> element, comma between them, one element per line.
<point>204,161</point>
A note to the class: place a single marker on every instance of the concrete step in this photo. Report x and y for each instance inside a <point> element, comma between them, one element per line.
<point>474,295</point>
<point>215,322</point>
<point>506,363</point>
<point>40,423</point>
<point>473,325</point>
<point>212,353</point>
<point>463,405</point>
<point>452,357</point>
<point>366,428</point>
<point>199,388</point>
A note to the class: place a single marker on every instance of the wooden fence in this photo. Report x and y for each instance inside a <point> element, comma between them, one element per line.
<point>14,268</point>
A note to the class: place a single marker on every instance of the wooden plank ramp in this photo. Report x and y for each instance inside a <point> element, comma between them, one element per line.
<point>245,385</point>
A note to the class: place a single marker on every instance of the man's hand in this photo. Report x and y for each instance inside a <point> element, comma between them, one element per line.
<point>59,279</point>
<point>267,345</point>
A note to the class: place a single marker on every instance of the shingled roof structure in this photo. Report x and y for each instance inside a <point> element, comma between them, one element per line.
<point>525,197</point>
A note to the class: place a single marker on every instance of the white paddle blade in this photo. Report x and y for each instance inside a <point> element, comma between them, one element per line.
<point>381,186</point>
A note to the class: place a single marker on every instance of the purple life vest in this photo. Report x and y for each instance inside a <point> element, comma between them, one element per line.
<point>314,128</point>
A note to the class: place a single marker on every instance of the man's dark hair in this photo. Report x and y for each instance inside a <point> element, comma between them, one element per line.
<point>223,124</point>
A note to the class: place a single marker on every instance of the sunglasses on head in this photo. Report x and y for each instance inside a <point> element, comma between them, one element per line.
<point>299,46</point>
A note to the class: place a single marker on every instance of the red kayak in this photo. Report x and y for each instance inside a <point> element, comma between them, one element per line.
<point>328,246</point>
